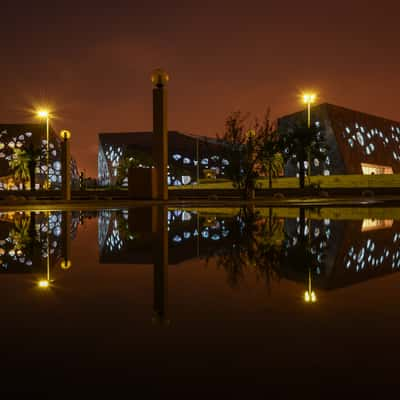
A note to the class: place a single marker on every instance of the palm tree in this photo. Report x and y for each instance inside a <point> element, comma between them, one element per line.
<point>273,163</point>
<point>23,165</point>
<point>303,143</point>
<point>19,166</point>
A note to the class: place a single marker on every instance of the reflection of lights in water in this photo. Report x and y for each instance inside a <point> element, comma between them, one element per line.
<point>310,297</point>
<point>66,264</point>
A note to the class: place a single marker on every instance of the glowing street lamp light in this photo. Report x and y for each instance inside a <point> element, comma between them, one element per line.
<point>45,114</point>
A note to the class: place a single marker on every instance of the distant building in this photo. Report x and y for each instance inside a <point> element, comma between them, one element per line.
<point>358,143</point>
<point>182,157</point>
<point>23,136</point>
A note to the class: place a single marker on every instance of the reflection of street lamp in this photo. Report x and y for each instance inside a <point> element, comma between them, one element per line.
<point>45,114</point>
<point>45,283</point>
<point>309,295</point>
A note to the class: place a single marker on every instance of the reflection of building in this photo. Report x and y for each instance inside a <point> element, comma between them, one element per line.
<point>182,157</point>
<point>27,239</point>
<point>189,235</point>
<point>23,136</point>
<point>358,143</point>
<point>340,252</point>
<point>346,253</point>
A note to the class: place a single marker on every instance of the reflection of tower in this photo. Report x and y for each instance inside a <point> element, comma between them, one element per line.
<point>160,259</point>
<point>66,240</point>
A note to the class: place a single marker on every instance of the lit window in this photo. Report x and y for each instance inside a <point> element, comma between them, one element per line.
<point>186,179</point>
<point>360,138</point>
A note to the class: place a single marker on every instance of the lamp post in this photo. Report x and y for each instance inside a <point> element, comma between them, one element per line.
<point>45,114</point>
<point>308,99</point>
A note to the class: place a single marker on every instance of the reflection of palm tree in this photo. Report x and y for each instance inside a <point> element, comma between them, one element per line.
<point>256,246</point>
<point>302,252</point>
<point>20,233</point>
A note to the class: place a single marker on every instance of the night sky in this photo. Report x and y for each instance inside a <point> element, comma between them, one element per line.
<point>91,61</point>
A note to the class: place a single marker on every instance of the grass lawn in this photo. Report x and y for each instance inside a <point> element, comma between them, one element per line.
<point>333,181</point>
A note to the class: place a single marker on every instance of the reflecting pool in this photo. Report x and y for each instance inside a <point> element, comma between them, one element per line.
<point>203,299</point>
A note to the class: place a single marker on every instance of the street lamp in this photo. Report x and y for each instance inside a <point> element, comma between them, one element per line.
<point>309,98</point>
<point>45,114</point>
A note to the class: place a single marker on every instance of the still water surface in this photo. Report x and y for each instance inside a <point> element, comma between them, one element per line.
<point>212,299</point>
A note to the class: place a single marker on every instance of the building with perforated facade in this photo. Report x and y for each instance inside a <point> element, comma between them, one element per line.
<point>23,137</point>
<point>357,143</point>
<point>188,156</point>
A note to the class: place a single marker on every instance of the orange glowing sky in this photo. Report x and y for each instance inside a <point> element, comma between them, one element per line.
<point>91,61</point>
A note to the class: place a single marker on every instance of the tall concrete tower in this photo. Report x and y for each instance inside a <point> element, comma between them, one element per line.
<point>160,79</point>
